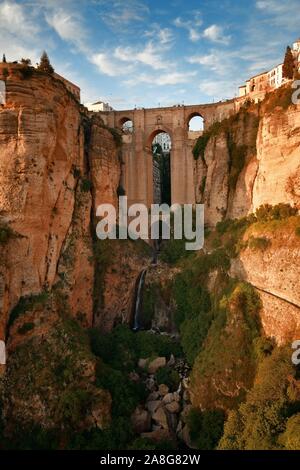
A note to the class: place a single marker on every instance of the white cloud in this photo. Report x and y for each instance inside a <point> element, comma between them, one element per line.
<point>68,26</point>
<point>19,32</point>
<point>164,36</point>
<point>215,33</point>
<point>147,56</point>
<point>172,78</point>
<point>120,13</point>
<point>191,27</point>
<point>108,66</point>
<point>282,14</point>
<point>14,18</point>
<point>218,89</point>
<point>214,61</point>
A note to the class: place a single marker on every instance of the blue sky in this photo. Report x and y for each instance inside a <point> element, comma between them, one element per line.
<point>148,53</point>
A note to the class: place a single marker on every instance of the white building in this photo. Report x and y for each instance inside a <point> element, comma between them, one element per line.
<point>268,81</point>
<point>98,106</point>
<point>164,140</point>
<point>275,76</point>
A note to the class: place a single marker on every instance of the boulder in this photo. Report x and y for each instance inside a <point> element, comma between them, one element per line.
<point>152,406</point>
<point>153,396</point>
<point>134,377</point>
<point>173,407</point>
<point>142,363</point>
<point>163,390</point>
<point>141,420</point>
<point>160,418</point>
<point>150,384</point>
<point>168,398</point>
<point>156,364</point>
<point>185,412</point>
<point>171,361</point>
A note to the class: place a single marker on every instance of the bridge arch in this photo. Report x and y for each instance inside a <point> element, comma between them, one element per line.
<point>197,119</point>
<point>126,124</point>
<point>154,133</point>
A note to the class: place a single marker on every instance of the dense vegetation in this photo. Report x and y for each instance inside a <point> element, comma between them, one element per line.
<point>239,376</point>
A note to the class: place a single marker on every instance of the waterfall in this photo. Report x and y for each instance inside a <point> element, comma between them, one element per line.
<point>138,300</point>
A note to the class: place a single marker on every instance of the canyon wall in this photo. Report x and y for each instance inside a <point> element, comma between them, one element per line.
<point>251,159</point>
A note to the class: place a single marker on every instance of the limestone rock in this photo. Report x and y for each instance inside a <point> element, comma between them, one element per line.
<point>152,406</point>
<point>173,407</point>
<point>141,420</point>
<point>163,389</point>
<point>156,364</point>
<point>160,418</point>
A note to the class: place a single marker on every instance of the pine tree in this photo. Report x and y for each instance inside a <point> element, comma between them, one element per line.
<point>44,64</point>
<point>288,65</point>
<point>4,58</point>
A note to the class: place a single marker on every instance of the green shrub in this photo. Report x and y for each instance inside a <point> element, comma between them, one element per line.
<point>116,437</point>
<point>259,243</point>
<point>25,328</point>
<point>229,346</point>
<point>86,185</point>
<point>168,376</point>
<point>290,439</point>
<point>206,427</point>
<point>266,212</point>
<point>193,332</point>
<point>122,348</point>
<point>263,347</point>
<point>27,304</point>
<point>5,234</point>
<point>26,72</point>
<point>260,421</point>
<point>202,141</point>
<point>174,250</point>
<point>297,231</point>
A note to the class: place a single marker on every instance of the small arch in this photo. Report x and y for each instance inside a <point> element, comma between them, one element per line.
<point>126,124</point>
<point>195,122</point>
<point>154,133</point>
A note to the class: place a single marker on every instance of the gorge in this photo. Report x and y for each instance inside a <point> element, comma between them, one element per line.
<point>76,374</point>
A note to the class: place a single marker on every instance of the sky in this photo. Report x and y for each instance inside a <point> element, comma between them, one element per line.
<point>140,53</point>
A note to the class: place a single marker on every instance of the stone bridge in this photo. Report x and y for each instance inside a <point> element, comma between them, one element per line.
<point>137,171</point>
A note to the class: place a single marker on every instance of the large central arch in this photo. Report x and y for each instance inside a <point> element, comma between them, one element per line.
<point>137,148</point>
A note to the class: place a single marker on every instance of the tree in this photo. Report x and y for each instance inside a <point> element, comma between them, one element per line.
<point>288,65</point>
<point>26,61</point>
<point>4,58</point>
<point>44,65</point>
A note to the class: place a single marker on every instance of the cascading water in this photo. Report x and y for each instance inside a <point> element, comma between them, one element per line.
<point>138,301</point>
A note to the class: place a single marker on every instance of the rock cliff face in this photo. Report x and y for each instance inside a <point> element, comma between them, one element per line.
<point>56,166</point>
<point>275,272</point>
<point>249,160</point>
<point>41,143</point>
